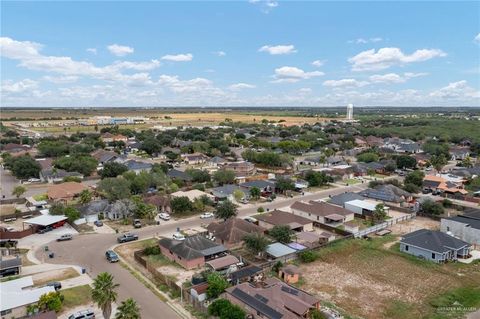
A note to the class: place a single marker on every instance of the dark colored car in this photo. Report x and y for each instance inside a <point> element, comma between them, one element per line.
<point>126,238</point>
<point>55,284</point>
<point>112,256</point>
<point>137,223</point>
<point>98,223</point>
<point>8,243</point>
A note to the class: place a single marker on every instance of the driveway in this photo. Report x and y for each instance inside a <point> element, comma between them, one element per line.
<point>8,183</point>
<point>87,251</point>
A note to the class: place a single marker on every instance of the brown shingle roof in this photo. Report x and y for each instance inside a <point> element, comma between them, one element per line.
<point>65,190</point>
<point>320,208</point>
<point>279,217</point>
<point>233,230</point>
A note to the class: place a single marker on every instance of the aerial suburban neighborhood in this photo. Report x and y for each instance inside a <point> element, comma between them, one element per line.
<point>255,159</point>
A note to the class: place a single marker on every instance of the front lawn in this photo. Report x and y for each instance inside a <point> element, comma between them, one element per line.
<point>77,296</point>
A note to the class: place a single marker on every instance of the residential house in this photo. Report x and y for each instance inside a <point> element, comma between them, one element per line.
<point>335,160</point>
<point>216,162</point>
<point>245,274</point>
<point>441,184</point>
<point>65,192</point>
<point>241,168</point>
<point>176,174</point>
<point>56,175</point>
<point>161,203</point>
<point>227,192</point>
<point>459,153</point>
<point>341,199</point>
<point>313,239</point>
<point>192,252</point>
<point>373,141</point>
<point>322,212</point>
<point>194,159</point>
<point>434,245</point>
<point>192,194</point>
<point>137,166</point>
<point>273,299</point>
<point>278,217</point>
<point>266,187</point>
<point>465,227</point>
<point>388,193</point>
<point>119,209</point>
<point>103,157</point>
<point>10,264</point>
<point>109,138</point>
<point>231,232</point>
<point>363,207</point>
<point>18,294</point>
<point>223,264</point>
<point>402,145</point>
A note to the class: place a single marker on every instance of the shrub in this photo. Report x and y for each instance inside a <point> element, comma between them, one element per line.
<point>152,250</point>
<point>260,209</point>
<point>308,256</point>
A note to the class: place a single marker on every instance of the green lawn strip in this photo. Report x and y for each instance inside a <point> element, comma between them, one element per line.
<point>76,296</point>
<point>399,310</point>
<point>455,303</point>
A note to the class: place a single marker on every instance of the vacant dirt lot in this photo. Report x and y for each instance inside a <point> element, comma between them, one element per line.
<point>368,280</point>
<point>414,224</point>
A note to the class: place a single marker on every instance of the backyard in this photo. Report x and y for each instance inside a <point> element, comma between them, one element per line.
<point>372,279</point>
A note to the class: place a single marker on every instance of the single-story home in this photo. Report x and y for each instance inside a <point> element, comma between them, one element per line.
<point>161,203</point>
<point>387,193</point>
<point>266,187</point>
<point>322,212</point>
<point>16,295</point>
<point>192,252</point>
<point>231,232</point>
<point>341,199</point>
<point>244,274</point>
<point>192,194</point>
<point>137,166</point>
<point>176,174</point>
<point>362,207</point>
<point>227,192</point>
<point>434,246</point>
<point>279,217</point>
<point>65,192</point>
<point>55,175</point>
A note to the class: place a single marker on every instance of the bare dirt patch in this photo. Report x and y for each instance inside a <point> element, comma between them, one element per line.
<point>54,275</point>
<point>414,224</point>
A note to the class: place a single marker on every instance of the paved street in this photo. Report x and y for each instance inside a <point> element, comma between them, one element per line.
<point>88,251</point>
<point>8,183</point>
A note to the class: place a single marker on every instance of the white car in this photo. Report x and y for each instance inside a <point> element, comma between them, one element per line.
<point>164,216</point>
<point>34,180</point>
<point>178,236</point>
<point>206,215</point>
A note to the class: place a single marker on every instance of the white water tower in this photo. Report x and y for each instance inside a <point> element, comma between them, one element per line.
<point>350,112</point>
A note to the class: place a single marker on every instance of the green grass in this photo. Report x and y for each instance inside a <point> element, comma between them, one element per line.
<point>399,310</point>
<point>77,296</point>
<point>40,197</point>
<point>455,303</point>
<point>351,181</point>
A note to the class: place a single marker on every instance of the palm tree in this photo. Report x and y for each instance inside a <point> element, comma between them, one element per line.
<point>128,310</point>
<point>103,293</point>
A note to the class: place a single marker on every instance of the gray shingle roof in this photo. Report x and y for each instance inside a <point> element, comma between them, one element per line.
<point>433,240</point>
<point>341,199</point>
<point>192,247</point>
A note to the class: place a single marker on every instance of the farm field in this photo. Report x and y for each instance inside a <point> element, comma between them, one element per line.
<point>371,279</point>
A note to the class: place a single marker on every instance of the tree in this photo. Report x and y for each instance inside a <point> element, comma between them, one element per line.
<point>238,195</point>
<point>255,192</point>
<point>23,167</point>
<point>432,208</point>
<point>198,175</point>
<point>224,176</point>
<point>467,162</point>
<point>411,188</point>
<point>216,285</point>
<point>85,196</point>
<point>181,205</point>
<point>367,157</point>
<point>415,178</point>
<point>284,184</point>
<point>151,146</point>
<point>19,191</point>
<point>256,243</point>
<point>317,314</point>
<point>128,309</point>
<point>225,210</point>
<point>438,161</point>
<point>224,309</point>
<point>103,293</point>
<point>143,210</point>
<point>281,233</point>
<point>317,178</point>
<point>112,169</point>
<point>84,164</point>
<point>57,208</point>
<point>308,256</point>
<point>51,301</point>
<point>72,214</point>
<point>379,214</point>
<point>114,188</point>
<point>406,161</point>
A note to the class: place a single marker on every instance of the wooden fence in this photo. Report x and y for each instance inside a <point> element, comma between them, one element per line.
<point>18,234</point>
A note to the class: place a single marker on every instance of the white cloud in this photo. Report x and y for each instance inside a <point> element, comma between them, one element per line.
<point>265,5</point>
<point>92,50</point>
<point>318,63</point>
<point>456,91</point>
<point>120,50</point>
<point>178,57</point>
<point>241,86</point>
<point>344,83</point>
<point>364,41</point>
<point>220,53</point>
<point>278,49</point>
<point>394,78</point>
<point>61,79</point>
<point>186,86</point>
<point>292,74</point>
<point>138,66</point>
<point>477,39</point>
<point>305,91</point>
<point>9,86</point>
<point>386,57</point>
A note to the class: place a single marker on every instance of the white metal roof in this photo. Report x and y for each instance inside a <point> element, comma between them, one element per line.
<point>278,250</point>
<point>14,293</point>
<point>362,204</point>
<point>45,220</point>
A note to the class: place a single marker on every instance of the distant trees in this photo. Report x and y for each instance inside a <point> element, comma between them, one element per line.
<point>267,158</point>
<point>112,169</point>
<point>379,214</point>
<point>415,178</point>
<point>284,184</point>
<point>198,175</point>
<point>85,196</point>
<point>438,162</point>
<point>181,205</point>
<point>151,146</point>
<point>53,148</point>
<point>367,157</point>
<point>114,188</point>
<point>405,161</point>
<point>255,192</point>
<point>84,164</point>
<point>432,208</point>
<point>317,178</point>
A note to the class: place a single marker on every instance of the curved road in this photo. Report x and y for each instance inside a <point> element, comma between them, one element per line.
<point>88,251</point>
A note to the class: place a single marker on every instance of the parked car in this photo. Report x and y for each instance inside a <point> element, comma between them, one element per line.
<point>8,272</point>
<point>84,314</point>
<point>127,237</point>
<point>98,223</point>
<point>9,228</point>
<point>34,180</point>
<point>65,237</point>
<point>112,256</point>
<point>137,223</point>
<point>164,216</point>
<point>55,284</point>
<point>45,230</point>
<point>207,215</point>
<point>178,236</point>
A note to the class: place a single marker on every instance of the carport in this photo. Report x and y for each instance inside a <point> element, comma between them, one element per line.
<point>44,221</point>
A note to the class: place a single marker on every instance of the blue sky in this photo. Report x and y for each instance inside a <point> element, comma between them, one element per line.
<point>240,53</point>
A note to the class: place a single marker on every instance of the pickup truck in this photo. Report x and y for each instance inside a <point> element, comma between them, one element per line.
<point>126,238</point>
<point>65,237</point>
